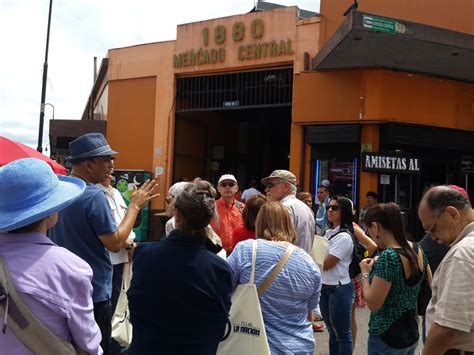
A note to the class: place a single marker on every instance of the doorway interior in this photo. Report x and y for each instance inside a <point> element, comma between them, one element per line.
<point>237,123</point>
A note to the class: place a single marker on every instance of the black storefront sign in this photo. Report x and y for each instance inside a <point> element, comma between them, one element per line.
<point>395,164</point>
<point>467,164</point>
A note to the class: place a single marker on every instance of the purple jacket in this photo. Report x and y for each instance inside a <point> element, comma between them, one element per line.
<point>56,285</point>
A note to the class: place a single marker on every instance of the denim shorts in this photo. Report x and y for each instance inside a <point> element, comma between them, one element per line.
<point>376,346</point>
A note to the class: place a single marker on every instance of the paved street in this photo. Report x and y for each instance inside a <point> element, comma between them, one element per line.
<point>322,339</point>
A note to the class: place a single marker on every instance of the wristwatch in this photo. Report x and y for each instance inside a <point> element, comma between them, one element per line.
<point>365,275</point>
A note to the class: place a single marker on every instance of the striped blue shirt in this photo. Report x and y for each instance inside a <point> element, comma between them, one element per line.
<point>286,302</point>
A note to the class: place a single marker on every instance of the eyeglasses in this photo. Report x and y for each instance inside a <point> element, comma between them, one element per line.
<point>431,229</point>
<point>227,184</point>
<point>271,185</point>
<point>332,207</point>
<point>105,159</point>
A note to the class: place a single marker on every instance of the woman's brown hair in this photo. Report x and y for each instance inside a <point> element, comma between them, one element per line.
<point>252,207</point>
<point>196,204</point>
<point>274,223</point>
<point>389,216</point>
<point>303,195</point>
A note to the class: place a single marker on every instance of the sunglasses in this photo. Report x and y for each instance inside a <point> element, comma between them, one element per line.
<point>227,184</point>
<point>270,185</point>
<point>104,159</point>
<point>332,207</point>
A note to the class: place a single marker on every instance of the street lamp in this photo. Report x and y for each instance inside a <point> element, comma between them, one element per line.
<point>52,106</point>
<point>43,89</point>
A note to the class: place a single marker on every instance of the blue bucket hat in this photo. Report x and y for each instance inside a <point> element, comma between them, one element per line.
<point>30,191</point>
<point>88,146</point>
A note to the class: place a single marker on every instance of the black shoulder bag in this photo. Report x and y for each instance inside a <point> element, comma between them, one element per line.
<point>424,296</point>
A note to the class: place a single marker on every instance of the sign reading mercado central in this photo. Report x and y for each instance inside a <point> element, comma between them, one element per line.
<point>258,50</point>
<point>396,164</point>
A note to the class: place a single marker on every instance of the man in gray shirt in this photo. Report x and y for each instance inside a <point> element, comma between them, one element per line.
<point>281,186</point>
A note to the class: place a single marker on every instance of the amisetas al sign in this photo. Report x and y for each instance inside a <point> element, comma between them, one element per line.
<point>386,163</point>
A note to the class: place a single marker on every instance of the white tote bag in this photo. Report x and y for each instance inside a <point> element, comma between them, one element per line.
<point>121,326</point>
<point>320,245</point>
<point>247,333</point>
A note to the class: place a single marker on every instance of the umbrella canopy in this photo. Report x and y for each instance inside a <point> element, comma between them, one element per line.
<point>11,150</point>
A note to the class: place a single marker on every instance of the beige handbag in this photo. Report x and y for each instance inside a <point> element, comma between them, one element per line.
<point>318,252</point>
<point>121,326</point>
<point>247,329</point>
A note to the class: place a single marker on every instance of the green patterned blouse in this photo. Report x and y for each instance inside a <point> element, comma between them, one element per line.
<point>401,296</point>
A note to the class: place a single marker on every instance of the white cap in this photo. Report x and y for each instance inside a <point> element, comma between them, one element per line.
<point>227,177</point>
<point>325,183</point>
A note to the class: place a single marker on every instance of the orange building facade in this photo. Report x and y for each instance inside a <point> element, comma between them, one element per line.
<point>321,96</point>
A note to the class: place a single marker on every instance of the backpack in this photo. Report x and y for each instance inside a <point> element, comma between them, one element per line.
<point>357,253</point>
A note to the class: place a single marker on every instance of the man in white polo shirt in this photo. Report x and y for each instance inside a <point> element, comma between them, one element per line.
<point>448,217</point>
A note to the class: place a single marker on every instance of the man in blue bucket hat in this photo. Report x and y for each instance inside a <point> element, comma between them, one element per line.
<point>87,227</point>
<point>52,282</point>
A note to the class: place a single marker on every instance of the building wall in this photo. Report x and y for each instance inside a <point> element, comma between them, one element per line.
<point>144,74</point>
<point>455,15</point>
<point>403,97</point>
<point>278,25</point>
<point>326,97</point>
<point>101,106</point>
<point>128,126</point>
<point>382,95</point>
<point>141,83</point>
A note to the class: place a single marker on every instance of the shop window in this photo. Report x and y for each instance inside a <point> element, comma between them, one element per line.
<point>342,175</point>
<point>398,188</point>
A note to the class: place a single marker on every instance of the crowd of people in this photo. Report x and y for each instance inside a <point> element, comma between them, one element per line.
<point>65,240</point>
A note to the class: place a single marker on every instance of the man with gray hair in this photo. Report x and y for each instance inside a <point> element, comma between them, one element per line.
<point>281,186</point>
<point>447,216</point>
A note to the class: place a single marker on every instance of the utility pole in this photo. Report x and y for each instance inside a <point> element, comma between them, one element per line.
<point>45,78</point>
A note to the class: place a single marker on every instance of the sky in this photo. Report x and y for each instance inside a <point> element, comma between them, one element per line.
<point>80,31</point>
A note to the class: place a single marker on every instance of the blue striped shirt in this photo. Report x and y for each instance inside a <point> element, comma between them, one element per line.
<point>286,302</point>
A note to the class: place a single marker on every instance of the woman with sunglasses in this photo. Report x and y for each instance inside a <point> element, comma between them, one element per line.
<point>391,284</point>
<point>337,291</point>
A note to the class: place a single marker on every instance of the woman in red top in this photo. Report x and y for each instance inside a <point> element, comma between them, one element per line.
<point>249,214</point>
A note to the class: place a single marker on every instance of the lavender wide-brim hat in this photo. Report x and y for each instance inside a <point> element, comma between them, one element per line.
<point>30,191</point>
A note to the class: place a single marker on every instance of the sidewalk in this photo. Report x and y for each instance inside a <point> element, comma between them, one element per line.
<point>362,315</point>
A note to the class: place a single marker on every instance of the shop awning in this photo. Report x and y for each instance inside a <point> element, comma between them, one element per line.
<point>370,41</point>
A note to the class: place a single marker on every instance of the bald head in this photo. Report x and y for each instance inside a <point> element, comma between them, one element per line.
<point>444,212</point>
<point>438,198</point>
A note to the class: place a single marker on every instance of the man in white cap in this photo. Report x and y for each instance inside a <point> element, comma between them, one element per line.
<point>229,211</point>
<point>281,186</point>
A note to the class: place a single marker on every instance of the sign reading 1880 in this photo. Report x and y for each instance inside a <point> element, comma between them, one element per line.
<point>396,164</point>
<point>219,35</point>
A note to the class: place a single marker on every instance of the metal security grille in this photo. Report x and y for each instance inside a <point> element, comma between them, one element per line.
<point>235,90</point>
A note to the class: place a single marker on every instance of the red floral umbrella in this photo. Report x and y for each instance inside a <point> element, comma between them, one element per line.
<point>11,150</point>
